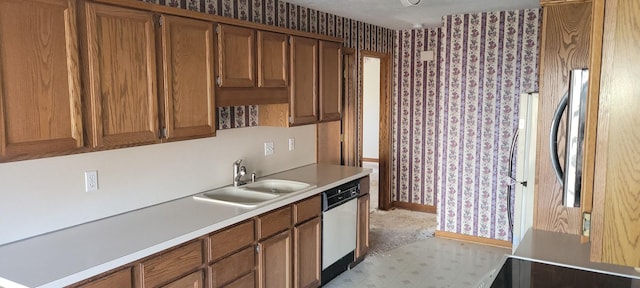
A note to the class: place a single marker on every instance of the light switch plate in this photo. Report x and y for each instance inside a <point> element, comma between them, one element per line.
<point>292,144</point>
<point>268,148</point>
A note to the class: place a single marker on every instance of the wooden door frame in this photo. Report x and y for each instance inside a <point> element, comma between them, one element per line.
<point>384,154</point>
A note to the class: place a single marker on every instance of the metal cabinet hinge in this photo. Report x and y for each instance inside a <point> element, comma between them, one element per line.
<point>218,29</point>
<point>586,224</point>
<point>218,80</point>
<point>163,132</point>
<point>257,248</point>
<point>290,119</point>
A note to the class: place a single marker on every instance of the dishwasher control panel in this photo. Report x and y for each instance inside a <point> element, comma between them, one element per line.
<point>338,195</point>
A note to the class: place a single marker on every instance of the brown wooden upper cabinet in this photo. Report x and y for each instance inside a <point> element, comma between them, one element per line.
<point>122,97</point>
<point>188,80</point>
<point>303,98</point>
<point>330,81</point>
<point>40,110</point>
<point>236,52</point>
<point>272,60</point>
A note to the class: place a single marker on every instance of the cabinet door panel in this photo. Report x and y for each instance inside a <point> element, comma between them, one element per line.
<point>616,210</point>
<point>122,279</point>
<point>274,266</point>
<point>189,104</point>
<point>173,263</point>
<point>39,79</point>
<point>303,98</point>
<point>233,267</point>
<point>330,81</point>
<point>236,67</point>
<point>272,60</point>
<point>122,76</point>
<point>307,261</point>
<point>193,280</point>
<point>362,235</point>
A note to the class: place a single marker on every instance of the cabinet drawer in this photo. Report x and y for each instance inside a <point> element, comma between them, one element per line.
<point>307,209</point>
<point>274,222</point>
<point>193,280</point>
<point>231,239</point>
<point>122,278</point>
<point>246,281</point>
<point>232,267</point>
<point>173,263</point>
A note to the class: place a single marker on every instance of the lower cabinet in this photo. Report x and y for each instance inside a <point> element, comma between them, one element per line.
<point>236,266</point>
<point>362,235</point>
<point>122,278</point>
<point>193,280</point>
<point>170,265</point>
<point>274,261</point>
<point>307,255</point>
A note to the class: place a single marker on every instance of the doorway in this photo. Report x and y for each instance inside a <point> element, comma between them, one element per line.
<point>353,118</point>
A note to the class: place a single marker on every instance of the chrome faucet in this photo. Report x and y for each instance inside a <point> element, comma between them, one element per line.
<point>238,172</point>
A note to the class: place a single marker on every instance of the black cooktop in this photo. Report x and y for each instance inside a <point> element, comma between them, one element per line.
<point>519,273</point>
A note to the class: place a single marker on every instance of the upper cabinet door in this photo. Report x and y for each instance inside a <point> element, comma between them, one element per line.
<point>304,81</point>
<point>187,57</point>
<point>236,52</point>
<point>616,199</point>
<point>40,110</point>
<point>122,76</point>
<point>330,81</point>
<point>272,60</point>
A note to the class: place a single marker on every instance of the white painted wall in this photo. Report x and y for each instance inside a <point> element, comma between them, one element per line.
<point>371,108</point>
<point>39,196</point>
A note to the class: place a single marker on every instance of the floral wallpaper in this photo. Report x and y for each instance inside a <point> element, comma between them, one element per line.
<point>356,34</point>
<point>454,117</point>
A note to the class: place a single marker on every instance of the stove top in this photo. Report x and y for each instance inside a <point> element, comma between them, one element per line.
<point>524,273</point>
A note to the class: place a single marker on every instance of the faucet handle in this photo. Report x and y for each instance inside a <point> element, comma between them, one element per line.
<point>238,161</point>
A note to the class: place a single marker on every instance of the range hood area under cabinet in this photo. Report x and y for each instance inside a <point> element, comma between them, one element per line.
<point>127,73</point>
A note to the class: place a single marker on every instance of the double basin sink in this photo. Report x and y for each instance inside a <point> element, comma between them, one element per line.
<point>255,193</point>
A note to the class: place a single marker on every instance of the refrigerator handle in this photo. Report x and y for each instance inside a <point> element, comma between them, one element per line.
<point>553,138</point>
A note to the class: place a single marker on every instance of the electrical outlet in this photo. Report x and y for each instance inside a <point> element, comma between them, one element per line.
<point>268,148</point>
<point>91,181</point>
<point>292,144</point>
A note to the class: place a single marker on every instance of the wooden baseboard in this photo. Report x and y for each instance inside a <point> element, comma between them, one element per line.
<point>374,160</point>
<point>414,207</point>
<point>474,239</point>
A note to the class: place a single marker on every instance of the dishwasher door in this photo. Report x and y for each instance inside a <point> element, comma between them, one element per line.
<point>339,232</point>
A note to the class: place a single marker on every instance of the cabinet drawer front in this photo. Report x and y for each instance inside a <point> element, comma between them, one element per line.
<point>307,209</point>
<point>122,278</point>
<point>247,281</point>
<point>274,222</point>
<point>231,239</point>
<point>171,264</point>
<point>232,267</point>
<point>194,280</point>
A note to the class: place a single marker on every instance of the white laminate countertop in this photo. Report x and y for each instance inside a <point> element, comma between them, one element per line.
<point>67,256</point>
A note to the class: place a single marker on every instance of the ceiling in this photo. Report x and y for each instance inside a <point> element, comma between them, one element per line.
<point>392,14</point>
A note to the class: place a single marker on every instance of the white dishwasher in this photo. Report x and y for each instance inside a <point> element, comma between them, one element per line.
<point>339,226</point>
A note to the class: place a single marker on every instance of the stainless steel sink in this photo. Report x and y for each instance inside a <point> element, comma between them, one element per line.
<point>253,194</point>
<point>276,186</point>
